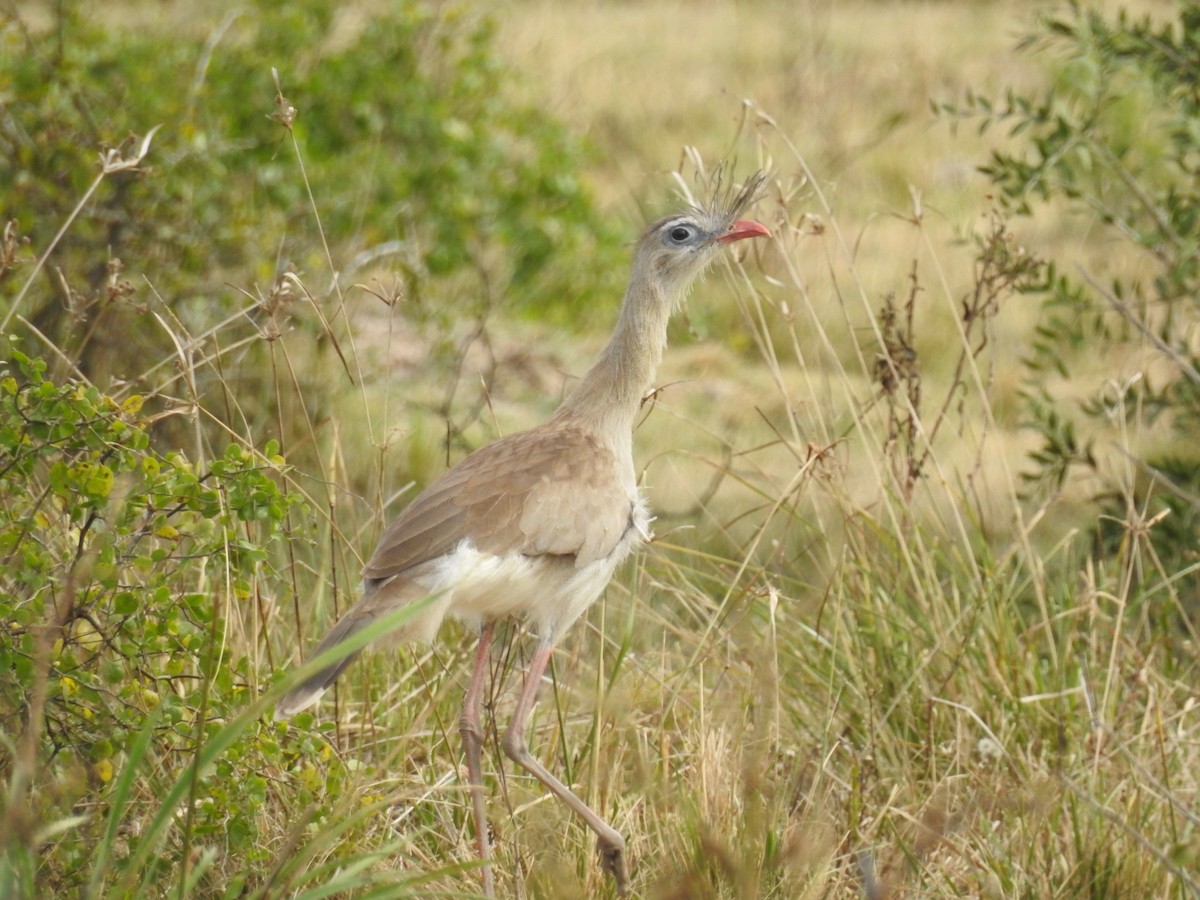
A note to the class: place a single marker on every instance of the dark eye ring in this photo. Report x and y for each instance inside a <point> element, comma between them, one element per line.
<point>680,234</point>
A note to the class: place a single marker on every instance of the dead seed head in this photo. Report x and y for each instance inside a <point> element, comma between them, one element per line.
<point>116,287</point>
<point>285,113</point>
<point>11,244</point>
<point>277,304</point>
<point>389,295</point>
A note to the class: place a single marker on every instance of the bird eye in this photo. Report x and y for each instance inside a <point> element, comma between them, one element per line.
<point>680,233</point>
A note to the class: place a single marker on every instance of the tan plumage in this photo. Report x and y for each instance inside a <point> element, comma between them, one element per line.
<point>533,524</point>
<point>555,491</point>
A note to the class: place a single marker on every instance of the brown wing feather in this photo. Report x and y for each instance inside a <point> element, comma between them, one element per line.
<point>542,492</point>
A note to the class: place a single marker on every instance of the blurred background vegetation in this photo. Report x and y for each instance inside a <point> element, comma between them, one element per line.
<point>921,614</point>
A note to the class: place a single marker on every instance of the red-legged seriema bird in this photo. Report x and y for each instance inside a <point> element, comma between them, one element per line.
<point>534,523</point>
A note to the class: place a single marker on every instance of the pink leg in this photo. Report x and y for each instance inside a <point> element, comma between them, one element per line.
<point>472,734</point>
<point>608,840</point>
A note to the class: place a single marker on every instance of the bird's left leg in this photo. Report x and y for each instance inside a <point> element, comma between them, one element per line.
<point>471,729</point>
<point>608,840</point>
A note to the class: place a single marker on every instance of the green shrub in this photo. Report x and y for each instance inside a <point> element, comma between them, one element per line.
<point>1115,143</point>
<point>410,146</point>
<point>120,570</point>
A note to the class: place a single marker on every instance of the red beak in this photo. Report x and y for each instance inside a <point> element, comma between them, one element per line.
<point>744,228</point>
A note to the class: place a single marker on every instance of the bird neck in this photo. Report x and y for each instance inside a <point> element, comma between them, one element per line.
<point>608,397</point>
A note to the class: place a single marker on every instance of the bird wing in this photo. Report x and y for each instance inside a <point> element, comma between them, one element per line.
<point>553,492</point>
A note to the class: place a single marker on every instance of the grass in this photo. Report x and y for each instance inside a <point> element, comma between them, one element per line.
<point>825,677</point>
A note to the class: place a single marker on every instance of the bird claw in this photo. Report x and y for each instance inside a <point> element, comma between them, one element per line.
<point>612,861</point>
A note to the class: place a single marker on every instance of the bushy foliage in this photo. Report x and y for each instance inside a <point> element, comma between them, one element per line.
<point>409,145</point>
<point>116,565</point>
<point>138,758</point>
<point>1115,141</point>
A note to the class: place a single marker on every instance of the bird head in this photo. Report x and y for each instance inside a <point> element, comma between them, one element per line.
<point>677,248</point>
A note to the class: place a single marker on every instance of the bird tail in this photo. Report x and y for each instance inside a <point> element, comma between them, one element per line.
<point>395,612</point>
<point>307,692</point>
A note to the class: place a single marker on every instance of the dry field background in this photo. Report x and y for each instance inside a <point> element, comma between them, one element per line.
<point>835,99</point>
<point>822,679</point>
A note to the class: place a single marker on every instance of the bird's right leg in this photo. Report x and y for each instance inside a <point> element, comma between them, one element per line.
<point>609,842</point>
<point>471,729</point>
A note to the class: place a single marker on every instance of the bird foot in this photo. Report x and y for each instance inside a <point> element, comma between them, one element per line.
<point>612,861</point>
